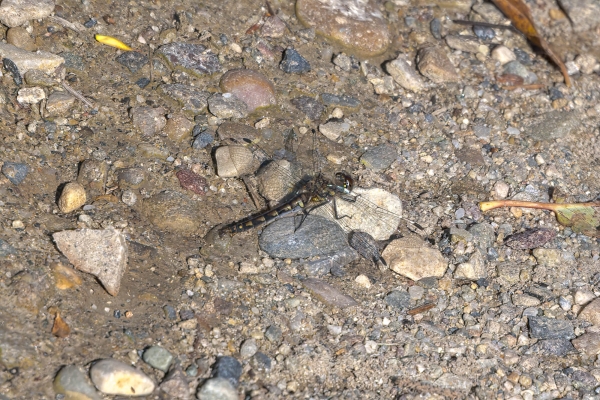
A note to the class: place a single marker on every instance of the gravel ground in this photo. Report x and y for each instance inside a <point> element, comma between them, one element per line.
<point>116,165</point>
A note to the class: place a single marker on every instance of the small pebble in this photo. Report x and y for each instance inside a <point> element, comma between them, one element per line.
<point>158,357</point>
<point>363,281</point>
<point>503,54</point>
<point>217,389</point>
<point>398,299</point>
<point>72,382</point>
<point>484,32</point>
<point>248,348</point>
<point>294,63</point>
<point>273,334</point>
<point>73,196</point>
<point>332,130</point>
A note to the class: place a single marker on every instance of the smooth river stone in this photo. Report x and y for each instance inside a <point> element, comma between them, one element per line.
<point>252,87</point>
<point>115,377</point>
<point>355,24</point>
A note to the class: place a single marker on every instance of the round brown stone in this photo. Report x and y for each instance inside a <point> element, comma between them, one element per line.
<point>252,87</point>
<point>355,24</point>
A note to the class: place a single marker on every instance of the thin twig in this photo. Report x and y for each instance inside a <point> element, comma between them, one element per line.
<point>486,24</point>
<point>77,27</point>
<point>77,94</point>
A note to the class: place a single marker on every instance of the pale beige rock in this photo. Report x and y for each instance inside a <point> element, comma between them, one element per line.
<point>102,253</point>
<point>414,258</point>
<point>59,103</point>
<point>404,74</point>
<point>117,378</point>
<point>32,95</point>
<point>591,312</point>
<point>524,300</point>
<point>582,297</point>
<point>72,197</point>
<point>179,128</point>
<point>363,281</point>
<point>27,60</point>
<point>503,54</point>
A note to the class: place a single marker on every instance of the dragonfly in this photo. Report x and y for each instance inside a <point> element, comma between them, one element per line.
<point>374,213</point>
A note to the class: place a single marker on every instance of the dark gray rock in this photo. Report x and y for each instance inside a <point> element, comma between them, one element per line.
<point>548,328</point>
<point>398,299</point>
<point>555,347</point>
<point>73,61</point>
<point>133,60</point>
<point>228,368</point>
<point>203,139</point>
<point>294,63</point>
<point>484,32</point>
<point>15,172</point>
<point>316,236</point>
<point>531,238</point>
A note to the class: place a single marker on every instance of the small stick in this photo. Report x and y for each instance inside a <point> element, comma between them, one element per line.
<point>486,24</point>
<point>490,205</point>
<point>77,94</point>
<point>533,86</point>
<point>421,309</point>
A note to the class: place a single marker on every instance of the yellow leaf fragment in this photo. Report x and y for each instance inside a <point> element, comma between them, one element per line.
<point>111,41</point>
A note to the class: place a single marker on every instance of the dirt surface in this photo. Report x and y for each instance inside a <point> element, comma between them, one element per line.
<point>457,143</point>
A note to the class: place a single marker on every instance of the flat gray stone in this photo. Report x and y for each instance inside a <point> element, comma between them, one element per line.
<point>27,60</point>
<point>553,125</point>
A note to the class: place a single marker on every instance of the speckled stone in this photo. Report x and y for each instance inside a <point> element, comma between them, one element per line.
<point>328,294</point>
<point>100,252</point>
<point>148,120</point>
<point>31,95</point>
<point>591,312</point>
<point>15,172</point>
<point>583,13</point>
<point>356,25</point>
<point>192,58</point>
<point>17,12</point>
<point>309,106</point>
<point>252,87</point>
<point>191,98</point>
<point>588,343</point>
<point>133,60</point>
<point>35,77</point>
<point>549,328</point>
<point>179,128</point>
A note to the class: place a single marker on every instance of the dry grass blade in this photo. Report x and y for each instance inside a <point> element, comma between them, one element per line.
<point>519,14</point>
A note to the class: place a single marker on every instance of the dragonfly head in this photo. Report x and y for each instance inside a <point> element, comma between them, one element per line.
<point>345,181</point>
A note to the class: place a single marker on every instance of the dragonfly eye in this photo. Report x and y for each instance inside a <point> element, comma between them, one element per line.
<point>344,180</point>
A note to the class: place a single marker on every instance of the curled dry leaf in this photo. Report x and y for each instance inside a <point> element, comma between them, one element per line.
<point>582,218</point>
<point>519,14</point>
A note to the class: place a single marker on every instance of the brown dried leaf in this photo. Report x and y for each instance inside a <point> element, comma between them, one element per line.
<point>60,328</point>
<point>518,12</point>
